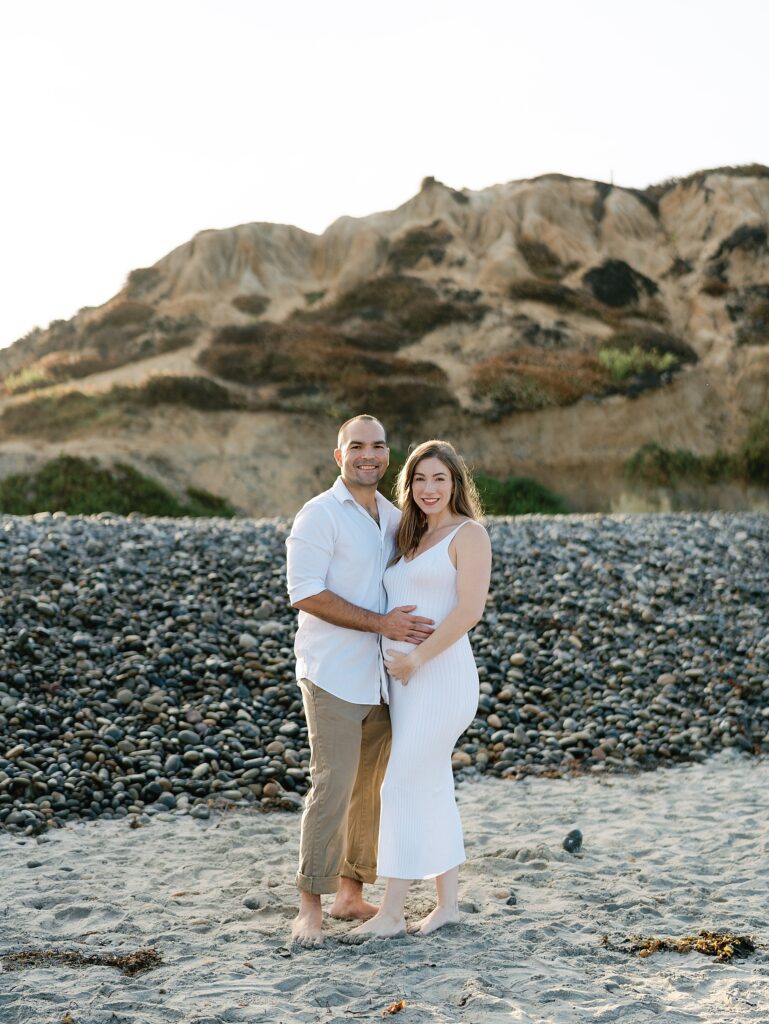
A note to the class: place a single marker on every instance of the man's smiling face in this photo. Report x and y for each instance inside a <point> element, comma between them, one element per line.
<point>363,455</point>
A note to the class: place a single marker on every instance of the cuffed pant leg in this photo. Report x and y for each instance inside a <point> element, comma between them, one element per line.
<point>363,819</point>
<point>334,728</point>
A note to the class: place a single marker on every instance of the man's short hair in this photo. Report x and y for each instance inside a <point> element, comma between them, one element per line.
<point>357,419</point>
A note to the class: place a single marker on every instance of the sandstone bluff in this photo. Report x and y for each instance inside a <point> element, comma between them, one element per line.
<point>551,327</point>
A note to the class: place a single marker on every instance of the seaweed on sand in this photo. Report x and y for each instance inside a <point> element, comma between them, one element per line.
<point>140,960</point>
<point>722,945</point>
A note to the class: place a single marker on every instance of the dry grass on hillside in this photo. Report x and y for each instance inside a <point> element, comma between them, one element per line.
<point>300,358</point>
<point>410,306</point>
<point>698,178</point>
<point>56,416</point>
<point>254,305</point>
<point>342,354</point>
<point>428,242</point>
<point>126,332</point>
<point>749,310</point>
<point>559,296</point>
<point>530,378</point>
<point>541,260</point>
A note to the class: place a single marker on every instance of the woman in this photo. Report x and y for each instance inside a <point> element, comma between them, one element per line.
<point>442,565</point>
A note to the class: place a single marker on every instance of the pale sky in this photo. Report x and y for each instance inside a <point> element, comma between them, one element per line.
<point>127,127</point>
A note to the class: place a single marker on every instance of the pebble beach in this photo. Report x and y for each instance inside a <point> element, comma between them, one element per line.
<point>149,663</point>
<point>152,743</point>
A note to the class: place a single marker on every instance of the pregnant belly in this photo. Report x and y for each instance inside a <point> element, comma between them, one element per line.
<point>460,653</point>
<point>396,645</point>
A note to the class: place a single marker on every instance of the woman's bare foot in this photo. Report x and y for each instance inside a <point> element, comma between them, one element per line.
<point>436,919</point>
<point>380,926</point>
<point>306,929</point>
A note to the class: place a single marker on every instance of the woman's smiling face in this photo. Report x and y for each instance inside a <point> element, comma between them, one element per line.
<point>431,486</point>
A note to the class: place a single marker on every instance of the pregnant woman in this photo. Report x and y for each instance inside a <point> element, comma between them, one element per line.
<point>442,565</point>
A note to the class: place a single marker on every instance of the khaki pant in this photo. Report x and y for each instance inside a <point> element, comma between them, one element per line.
<point>349,748</point>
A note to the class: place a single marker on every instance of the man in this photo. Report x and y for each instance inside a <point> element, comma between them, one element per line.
<point>339,547</point>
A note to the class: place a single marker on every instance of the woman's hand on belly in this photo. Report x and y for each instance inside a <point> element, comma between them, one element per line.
<point>401,664</point>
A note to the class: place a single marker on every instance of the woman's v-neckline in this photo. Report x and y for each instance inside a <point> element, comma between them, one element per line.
<point>437,544</point>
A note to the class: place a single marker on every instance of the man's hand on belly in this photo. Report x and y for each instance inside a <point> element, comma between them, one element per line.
<point>397,624</point>
<point>400,624</point>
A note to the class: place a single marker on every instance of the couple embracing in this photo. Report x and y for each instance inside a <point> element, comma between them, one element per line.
<point>386,597</point>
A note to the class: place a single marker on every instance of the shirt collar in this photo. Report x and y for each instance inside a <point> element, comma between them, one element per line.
<point>341,493</point>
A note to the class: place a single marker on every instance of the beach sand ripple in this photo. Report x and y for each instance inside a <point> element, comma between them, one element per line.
<point>664,854</point>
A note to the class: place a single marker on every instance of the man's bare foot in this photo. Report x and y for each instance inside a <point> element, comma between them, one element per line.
<point>436,919</point>
<point>352,908</point>
<point>349,904</point>
<point>378,927</point>
<point>306,929</point>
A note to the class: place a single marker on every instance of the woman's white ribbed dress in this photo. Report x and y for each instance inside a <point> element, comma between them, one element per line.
<point>420,834</point>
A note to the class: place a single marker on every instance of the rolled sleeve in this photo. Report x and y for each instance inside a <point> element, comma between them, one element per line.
<point>309,548</point>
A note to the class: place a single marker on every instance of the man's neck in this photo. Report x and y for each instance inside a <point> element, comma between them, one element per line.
<point>365,496</point>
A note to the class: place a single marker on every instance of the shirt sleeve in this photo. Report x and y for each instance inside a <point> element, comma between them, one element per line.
<point>309,549</point>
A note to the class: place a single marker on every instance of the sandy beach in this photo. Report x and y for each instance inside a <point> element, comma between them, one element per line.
<point>153,755</point>
<point>664,854</point>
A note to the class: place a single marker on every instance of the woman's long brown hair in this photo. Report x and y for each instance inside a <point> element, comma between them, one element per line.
<point>464,494</point>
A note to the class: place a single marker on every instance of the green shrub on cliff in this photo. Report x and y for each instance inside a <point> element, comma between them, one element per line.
<point>84,487</point>
<point>623,364</point>
<point>665,467</point>
<point>517,496</point>
<point>755,450</point>
<point>652,341</point>
<point>27,379</point>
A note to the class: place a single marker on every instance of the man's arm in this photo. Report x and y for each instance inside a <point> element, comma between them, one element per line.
<point>397,624</point>
<point>310,548</point>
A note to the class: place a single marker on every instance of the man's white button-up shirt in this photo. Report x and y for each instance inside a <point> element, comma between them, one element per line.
<point>335,545</point>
